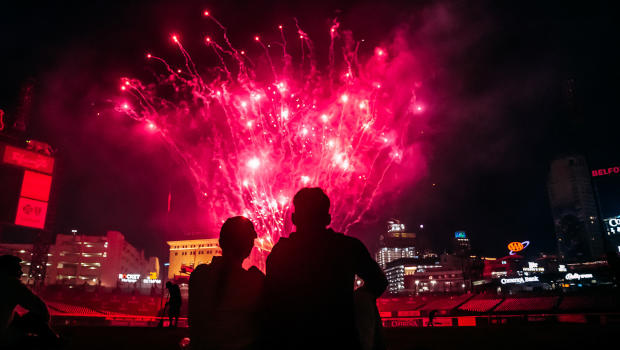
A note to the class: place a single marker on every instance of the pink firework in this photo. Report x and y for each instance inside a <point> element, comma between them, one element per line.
<point>251,144</point>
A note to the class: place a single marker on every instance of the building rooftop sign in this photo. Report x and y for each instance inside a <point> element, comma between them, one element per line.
<point>608,171</point>
<point>613,225</point>
<point>515,247</point>
<point>28,159</point>
<point>578,276</point>
<point>396,227</point>
<point>519,280</point>
<point>460,234</point>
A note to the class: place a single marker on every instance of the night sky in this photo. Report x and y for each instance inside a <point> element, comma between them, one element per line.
<point>496,86</point>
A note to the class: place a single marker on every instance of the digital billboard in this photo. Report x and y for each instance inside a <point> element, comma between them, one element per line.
<point>460,234</point>
<point>25,184</point>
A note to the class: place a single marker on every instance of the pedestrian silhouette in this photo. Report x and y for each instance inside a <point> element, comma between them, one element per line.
<point>31,329</point>
<point>224,297</point>
<point>431,318</point>
<point>309,300</point>
<point>173,304</point>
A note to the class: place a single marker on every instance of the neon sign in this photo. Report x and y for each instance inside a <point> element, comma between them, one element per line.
<point>613,225</point>
<point>608,171</point>
<point>577,276</point>
<point>514,247</point>
<point>533,267</point>
<point>151,281</point>
<point>460,234</point>
<point>129,277</point>
<point>519,280</point>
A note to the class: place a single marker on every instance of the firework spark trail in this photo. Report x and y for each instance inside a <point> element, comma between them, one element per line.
<point>250,144</point>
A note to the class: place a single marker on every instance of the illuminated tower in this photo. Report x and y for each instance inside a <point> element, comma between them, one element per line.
<point>574,210</point>
<point>461,243</point>
<point>396,243</point>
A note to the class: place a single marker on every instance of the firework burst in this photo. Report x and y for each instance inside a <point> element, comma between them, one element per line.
<point>250,143</point>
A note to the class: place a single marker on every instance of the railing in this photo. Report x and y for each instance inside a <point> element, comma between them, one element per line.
<point>498,320</point>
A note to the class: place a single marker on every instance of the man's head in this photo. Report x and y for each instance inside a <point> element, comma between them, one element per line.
<point>311,209</point>
<point>237,238</point>
<point>10,266</point>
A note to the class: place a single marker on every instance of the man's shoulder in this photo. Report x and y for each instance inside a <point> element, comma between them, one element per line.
<point>282,243</point>
<point>202,268</point>
<point>341,238</point>
<point>254,275</point>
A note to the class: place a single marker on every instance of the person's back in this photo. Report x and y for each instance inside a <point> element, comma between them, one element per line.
<point>223,305</point>
<point>309,285</point>
<point>224,297</point>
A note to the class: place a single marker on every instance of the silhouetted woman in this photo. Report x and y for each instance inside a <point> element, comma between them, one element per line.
<point>223,296</point>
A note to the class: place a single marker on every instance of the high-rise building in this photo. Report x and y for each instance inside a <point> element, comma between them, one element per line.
<point>574,210</point>
<point>395,244</point>
<point>461,243</point>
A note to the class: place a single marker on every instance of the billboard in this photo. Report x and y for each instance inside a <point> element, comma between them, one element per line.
<point>28,159</point>
<point>460,234</point>
<point>26,182</point>
<point>31,213</point>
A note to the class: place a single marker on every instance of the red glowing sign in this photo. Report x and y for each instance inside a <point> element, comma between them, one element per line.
<point>608,171</point>
<point>28,159</point>
<point>31,213</point>
<point>36,186</point>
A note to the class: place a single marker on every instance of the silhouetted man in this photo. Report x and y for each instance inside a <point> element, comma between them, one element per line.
<point>224,297</point>
<point>174,303</point>
<point>12,293</point>
<point>310,279</point>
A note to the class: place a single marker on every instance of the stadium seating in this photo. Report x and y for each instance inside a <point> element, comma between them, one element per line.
<point>589,303</point>
<point>62,309</point>
<point>445,302</point>
<point>479,304</point>
<point>527,304</point>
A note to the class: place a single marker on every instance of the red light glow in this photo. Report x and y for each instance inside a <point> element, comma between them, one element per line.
<point>262,139</point>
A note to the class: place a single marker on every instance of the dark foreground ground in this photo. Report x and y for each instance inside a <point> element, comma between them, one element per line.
<point>530,336</point>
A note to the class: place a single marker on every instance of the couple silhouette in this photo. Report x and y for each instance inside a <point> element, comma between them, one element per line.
<point>306,300</point>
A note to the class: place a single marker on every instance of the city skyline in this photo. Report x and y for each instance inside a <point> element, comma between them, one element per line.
<point>494,125</point>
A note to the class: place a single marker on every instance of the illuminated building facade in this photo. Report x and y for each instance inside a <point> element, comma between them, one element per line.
<point>461,243</point>
<point>574,209</point>
<point>76,259</point>
<point>186,255</point>
<point>416,276</point>
<point>395,244</point>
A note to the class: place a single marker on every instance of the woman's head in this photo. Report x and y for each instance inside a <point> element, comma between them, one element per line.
<point>237,237</point>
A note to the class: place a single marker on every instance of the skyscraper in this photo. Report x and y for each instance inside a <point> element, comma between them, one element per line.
<point>396,243</point>
<point>461,243</point>
<point>574,211</point>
